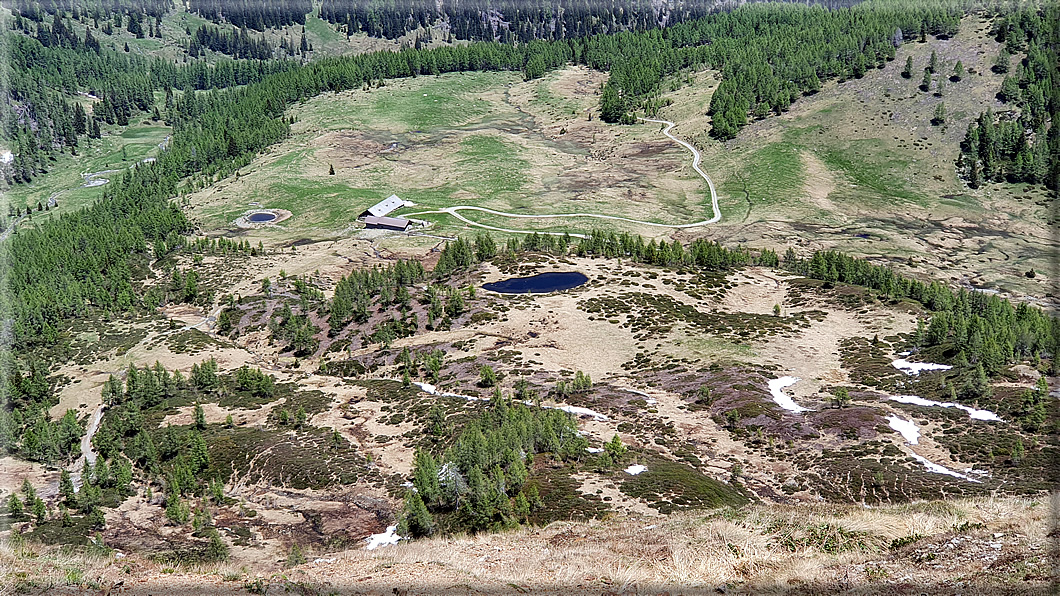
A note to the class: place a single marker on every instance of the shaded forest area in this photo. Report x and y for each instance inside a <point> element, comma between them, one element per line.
<point>519,21</point>
<point>1023,145</point>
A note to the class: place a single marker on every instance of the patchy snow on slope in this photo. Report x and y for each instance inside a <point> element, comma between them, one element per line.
<point>907,428</point>
<point>594,450</point>
<point>915,368</point>
<point>911,432</point>
<point>972,412</point>
<point>783,400</point>
<point>636,469</point>
<point>937,469</point>
<point>388,538</point>
<point>577,411</point>
<point>428,388</point>
<point>431,389</point>
<point>7,157</point>
<point>651,401</point>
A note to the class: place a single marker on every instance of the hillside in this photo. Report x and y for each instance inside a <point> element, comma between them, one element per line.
<point>692,301</point>
<point>990,546</point>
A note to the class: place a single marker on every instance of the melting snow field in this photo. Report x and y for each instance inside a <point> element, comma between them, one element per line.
<point>583,412</point>
<point>594,450</point>
<point>972,412</point>
<point>915,368</point>
<point>907,428</point>
<point>911,432</point>
<point>783,400</point>
<point>933,467</point>
<point>388,538</point>
<point>636,469</point>
<point>648,399</point>
<point>428,388</point>
<point>577,411</point>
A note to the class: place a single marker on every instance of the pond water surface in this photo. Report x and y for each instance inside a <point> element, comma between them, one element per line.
<point>260,217</point>
<point>542,283</point>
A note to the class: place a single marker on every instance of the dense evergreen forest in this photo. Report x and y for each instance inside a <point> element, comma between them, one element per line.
<point>515,20</point>
<point>238,44</point>
<point>1021,146</point>
<point>254,14</point>
<point>49,78</point>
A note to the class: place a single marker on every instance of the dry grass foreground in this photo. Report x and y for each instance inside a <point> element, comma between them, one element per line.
<point>974,546</point>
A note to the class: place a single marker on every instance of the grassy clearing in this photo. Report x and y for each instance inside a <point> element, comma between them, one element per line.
<point>406,105</point>
<point>491,165</point>
<point>487,139</point>
<point>773,174</point>
<point>117,150</point>
<point>860,168</point>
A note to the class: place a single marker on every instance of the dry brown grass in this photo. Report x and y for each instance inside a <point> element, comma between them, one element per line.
<point>748,551</point>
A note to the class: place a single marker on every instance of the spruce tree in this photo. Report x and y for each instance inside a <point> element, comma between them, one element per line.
<point>940,114</point>
<point>958,72</point>
<point>415,520</point>
<point>925,83</point>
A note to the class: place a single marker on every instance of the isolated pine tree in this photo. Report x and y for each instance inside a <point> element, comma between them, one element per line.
<point>907,72</point>
<point>940,114</point>
<point>925,83</point>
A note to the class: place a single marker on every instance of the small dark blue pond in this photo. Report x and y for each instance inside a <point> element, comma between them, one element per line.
<point>542,283</point>
<point>261,216</point>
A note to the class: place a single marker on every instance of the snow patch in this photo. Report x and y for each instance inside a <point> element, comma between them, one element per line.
<point>636,469</point>
<point>907,428</point>
<point>577,411</point>
<point>428,388</point>
<point>911,432</point>
<point>651,401</point>
<point>937,469</point>
<point>973,413</point>
<point>915,368</point>
<point>594,450</point>
<point>388,538</point>
<point>7,157</point>
<point>784,400</point>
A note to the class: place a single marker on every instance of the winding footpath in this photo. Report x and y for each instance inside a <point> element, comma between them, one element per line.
<point>696,159</point>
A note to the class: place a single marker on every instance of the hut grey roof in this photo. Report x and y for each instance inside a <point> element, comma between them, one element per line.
<point>385,206</point>
<point>398,223</point>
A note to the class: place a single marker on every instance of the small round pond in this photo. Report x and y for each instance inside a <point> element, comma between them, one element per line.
<point>542,283</point>
<point>261,216</point>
